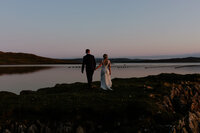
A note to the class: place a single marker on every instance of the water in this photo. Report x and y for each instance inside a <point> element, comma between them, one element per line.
<point>15,78</point>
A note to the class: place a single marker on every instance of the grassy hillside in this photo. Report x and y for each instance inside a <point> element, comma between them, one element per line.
<point>135,105</point>
<point>9,58</point>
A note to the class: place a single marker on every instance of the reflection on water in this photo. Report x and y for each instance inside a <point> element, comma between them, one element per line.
<point>21,70</point>
<point>17,78</point>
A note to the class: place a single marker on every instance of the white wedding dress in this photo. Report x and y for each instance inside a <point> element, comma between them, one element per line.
<point>106,82</point>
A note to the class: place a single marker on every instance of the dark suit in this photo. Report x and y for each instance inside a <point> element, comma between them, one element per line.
<point>90,63</point>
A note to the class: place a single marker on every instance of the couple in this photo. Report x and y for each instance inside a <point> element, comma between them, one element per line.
<point>105,65</point>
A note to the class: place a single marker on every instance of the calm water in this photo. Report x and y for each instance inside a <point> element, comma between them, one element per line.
<point>33,77</point>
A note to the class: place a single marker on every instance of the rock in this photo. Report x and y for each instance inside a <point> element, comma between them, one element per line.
<point>174,130</point>
<point>181,123</point>
<point>148,87</point>
<point>47,130</point>
<point>172,93</point>
<point>167,84</point>
<point>80,130</point>
<point>198,115</point>
<point>22,128</point>
<point>193,123</point>
<point>7,131</point>
<point>184,130</point>
<point>168,104</point>
<point>182,96</point>
<point>151,95</point>
<point>32,129</point>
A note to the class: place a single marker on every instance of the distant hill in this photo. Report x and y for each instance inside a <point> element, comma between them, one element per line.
<point>113,60</point>
<point>171,60</point>
<point>9,58</point>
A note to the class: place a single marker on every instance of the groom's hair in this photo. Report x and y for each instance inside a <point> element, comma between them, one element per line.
<point>87,51</point>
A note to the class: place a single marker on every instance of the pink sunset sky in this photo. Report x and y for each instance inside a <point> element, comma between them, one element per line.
<point>64,29</point>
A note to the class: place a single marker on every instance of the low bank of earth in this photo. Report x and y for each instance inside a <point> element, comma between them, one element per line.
<point>134,105</point>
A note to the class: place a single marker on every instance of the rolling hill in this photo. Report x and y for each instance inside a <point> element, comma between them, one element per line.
<point>10,58</point>
<point>170,60</point>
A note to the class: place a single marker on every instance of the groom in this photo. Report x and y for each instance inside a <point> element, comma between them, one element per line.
<point>90,63</point>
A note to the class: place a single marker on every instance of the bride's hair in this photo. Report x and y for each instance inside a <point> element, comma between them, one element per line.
<point>105,56</point>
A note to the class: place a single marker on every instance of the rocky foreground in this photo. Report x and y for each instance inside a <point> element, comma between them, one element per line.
<point>162,103</point>
<point>185,99</point>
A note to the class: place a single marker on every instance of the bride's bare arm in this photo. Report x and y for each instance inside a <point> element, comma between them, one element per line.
<point>99,66</point>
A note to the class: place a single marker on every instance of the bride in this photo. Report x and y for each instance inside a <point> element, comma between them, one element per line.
<point>105,65</point>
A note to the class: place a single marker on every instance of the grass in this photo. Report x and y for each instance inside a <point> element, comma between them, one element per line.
<point>133,104</point>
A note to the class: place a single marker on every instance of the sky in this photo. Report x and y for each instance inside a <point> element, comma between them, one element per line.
<point>120,28</point>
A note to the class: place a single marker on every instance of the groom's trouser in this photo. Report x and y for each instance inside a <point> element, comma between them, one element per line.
<point>89,74</point>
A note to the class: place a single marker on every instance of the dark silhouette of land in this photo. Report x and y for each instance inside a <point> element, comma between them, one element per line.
<point>161,103</point>
<point>171,60</point>
<point>9,58</point>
